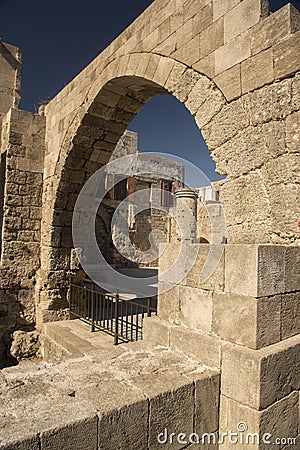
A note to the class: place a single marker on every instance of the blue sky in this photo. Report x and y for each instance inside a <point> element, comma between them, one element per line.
<point>59,38</point>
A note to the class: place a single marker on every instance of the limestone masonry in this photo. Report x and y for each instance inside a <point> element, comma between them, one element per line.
<point>221,352</point>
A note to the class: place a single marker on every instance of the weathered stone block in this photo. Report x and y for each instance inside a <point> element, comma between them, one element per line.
<point>230,82</point>
<point>203,19</point>
<point>255,270</point>
<point>172,410</point>
<point>264,424</point>
<point>258,378</point>
<point>168,302</point>
<point>246,320</point>
<point>293,132</point>
<point>227,123</point>
<point>22,444</point>
<point>195,306</point>
<point>287,56</point>
<point>216,280</point>
<point>210,108</point>
<point>242,17</point>
<point>191,7</point>
<point>81,434</point>
<point>266,142</point>
<point>206,65</point>
<point>269,103</point>
<point>283,198</point>
<point>156,331</point>
<point>184,84</point>
<point>274,28</point>
<point>212,38</point>
<point>296,92</point>
<point>163,71</point>
<point>232,53</point>
<point>126,426</point>
<point>207,397</point>
<point>291,269</point>
<point>220,8</point>
<point>257,71</point>
<point>189,53</point>
<point>204,347</point>
<point>290,315</point>
<point>198,94</point>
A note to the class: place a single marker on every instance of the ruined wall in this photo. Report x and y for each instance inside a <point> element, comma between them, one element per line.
<point>10,78</point>
<point>22,151</point>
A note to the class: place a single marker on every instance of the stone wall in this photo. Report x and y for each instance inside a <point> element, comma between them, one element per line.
<point>243,320</point>
<point>22,150</point>
<point>10,79</point>
<point>237,69</point>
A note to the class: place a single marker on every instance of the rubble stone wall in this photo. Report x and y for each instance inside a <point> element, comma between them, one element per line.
<point>22,150</point>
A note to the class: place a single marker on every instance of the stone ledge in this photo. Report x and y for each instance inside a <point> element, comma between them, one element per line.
<point>111,396</point>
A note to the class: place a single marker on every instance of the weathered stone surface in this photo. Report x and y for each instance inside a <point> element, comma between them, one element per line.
<point>263,423</point>
<point>156,331</point>
<point>269,102</point>
<point>246,195</point>
<point>226,124</point>
<point>246,320</point>
<point>257,71</point>
<point>24,344</point>
<point>290,315</point>
<point>207,397</point>
<point>126,426</point>
<point>262,270</point>
<point>286,56</point>
<point>230,82</point>
<point>188,53</point>
<point>274,28</point>
<point>82,434</point>
<point>232,53</point>
<point>168,305</point>
<point>23,444</point>
<point>212,38</point>
<point>178,415</point>
<point>242,17</point>
<point>293,132</point>
<point>185,84</point>
<point>206,65</point>
<point>212,105</point>
<point>281,177</point>
<point>220,8</point>
<point>258,378</point>
<point>199,94</point>
<point>216,279</point>
<point>204,347</point>
<point>195,306</point>
<point>255,144</point>
<point>296,92</point>
<point>203,19</point>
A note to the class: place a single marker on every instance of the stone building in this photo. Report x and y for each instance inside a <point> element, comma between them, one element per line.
<point>150,218</point>
<point>223,352</point>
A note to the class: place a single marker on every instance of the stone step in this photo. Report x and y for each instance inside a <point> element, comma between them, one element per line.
<point>72,337</point>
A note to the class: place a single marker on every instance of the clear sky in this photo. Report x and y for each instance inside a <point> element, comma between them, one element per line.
<point>58,38</point>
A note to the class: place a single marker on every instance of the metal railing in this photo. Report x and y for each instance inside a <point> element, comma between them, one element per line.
<point>110,313</point>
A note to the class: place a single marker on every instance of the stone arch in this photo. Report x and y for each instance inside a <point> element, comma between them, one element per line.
<point>246,139</point>
<point>108,108</point>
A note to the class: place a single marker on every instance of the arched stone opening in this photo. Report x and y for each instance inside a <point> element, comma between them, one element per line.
<point>88,145</point>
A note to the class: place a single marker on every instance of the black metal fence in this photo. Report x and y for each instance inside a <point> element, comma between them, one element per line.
<point>108,312</point>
